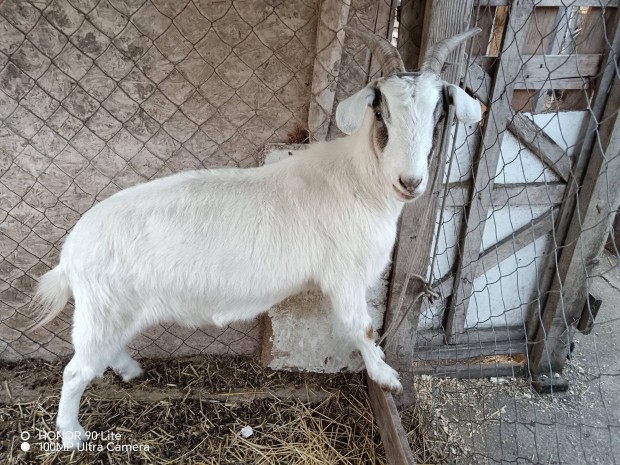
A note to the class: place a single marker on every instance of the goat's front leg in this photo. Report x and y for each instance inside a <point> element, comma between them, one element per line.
<point>351,310</point>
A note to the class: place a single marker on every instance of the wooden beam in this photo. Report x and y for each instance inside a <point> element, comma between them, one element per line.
<point>509,195</point>
<point>471,370</point>
<point>329,39</point>
<point>554,47</point>
<point>519,239</point>
<point>478,82</point>
<point>550,71</point>
<point>410,32</point>
<point>417,224</point>
<point>539,319</point>
<point>470,350</point>
<point>488,155</point>
<point>393,435</point>
<point>596,204</point>
<point>541,145</point>
<point>384,26</point>
<point>552,3</point>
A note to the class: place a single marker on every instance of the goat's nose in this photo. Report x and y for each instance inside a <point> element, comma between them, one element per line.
<point>409,183</point>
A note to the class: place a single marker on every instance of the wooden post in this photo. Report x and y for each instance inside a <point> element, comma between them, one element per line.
<point>329,40</point>
<point>393,436</point>
<point>597,202</point>
<point>410,31</point>
<point>384,26</point>
<point>417,225</point>
<point>488,155</point>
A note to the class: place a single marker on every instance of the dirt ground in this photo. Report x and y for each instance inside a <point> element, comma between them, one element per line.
<point>193,411</point>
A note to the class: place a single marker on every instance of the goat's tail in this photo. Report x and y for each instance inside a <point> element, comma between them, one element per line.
<point>52,295</point>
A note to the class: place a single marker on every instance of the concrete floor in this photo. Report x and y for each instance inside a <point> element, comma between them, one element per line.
<point>581,426</point>
<point>504,421</point>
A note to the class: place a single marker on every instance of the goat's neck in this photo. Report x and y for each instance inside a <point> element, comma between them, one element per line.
<point>371,182</point>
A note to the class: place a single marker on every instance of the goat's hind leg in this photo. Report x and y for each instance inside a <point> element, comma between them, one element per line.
<point>79,372</point>
<point>126,367</point>
<point>349,304</point>
<point>95,349</point>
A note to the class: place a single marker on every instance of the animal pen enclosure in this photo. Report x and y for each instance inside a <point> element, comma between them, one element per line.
<point>98,95</point>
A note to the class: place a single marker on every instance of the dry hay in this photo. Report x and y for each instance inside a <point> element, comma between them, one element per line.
<point>192,411</point>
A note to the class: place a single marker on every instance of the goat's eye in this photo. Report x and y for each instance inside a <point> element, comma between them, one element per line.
<point>378,115</point>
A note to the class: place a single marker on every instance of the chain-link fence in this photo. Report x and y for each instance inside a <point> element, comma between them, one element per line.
<point>99,95</point>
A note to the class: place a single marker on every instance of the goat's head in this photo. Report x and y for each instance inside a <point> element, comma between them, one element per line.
<point>401,112</point>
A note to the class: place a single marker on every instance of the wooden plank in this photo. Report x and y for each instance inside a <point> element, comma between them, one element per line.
<point>552,71</point>
<point>538,322</point>
<point>591,39</point>
<point>478,82</point>
<point>417,224</point>
<point>384,25</point>
<point>410,32</point>
<point>430,337</point>
<point>393,436</point>
<point>597,201</point>
<point>519,239</point>
<point>545,70</point>
<point>509,194</point>
<point>329,39</point>
<point>488,156</point>
<point>527,194</point>
<point>541,145</point>
<point>552,3</point>
<point>472,370</point>
<point>470,350</point>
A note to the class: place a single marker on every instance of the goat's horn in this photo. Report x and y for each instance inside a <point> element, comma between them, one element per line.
<point>438,53</point>
<point>386,53</point>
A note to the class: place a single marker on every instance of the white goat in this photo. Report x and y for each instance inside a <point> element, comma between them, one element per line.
<point>212,247</point>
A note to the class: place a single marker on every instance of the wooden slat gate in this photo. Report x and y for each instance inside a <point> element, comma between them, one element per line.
<point>531,57</point>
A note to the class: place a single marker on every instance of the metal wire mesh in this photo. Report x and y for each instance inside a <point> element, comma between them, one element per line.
<point>98,95</point>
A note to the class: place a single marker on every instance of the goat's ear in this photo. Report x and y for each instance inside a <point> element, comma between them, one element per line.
<point>350,112</point>
<point>467,109</point>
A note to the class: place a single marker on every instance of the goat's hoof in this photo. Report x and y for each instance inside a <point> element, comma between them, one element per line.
<point>131,374</point>
<point>128,373</point>
<point>387,378</point>
<point>395,388</point>
<point>72,438</point>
